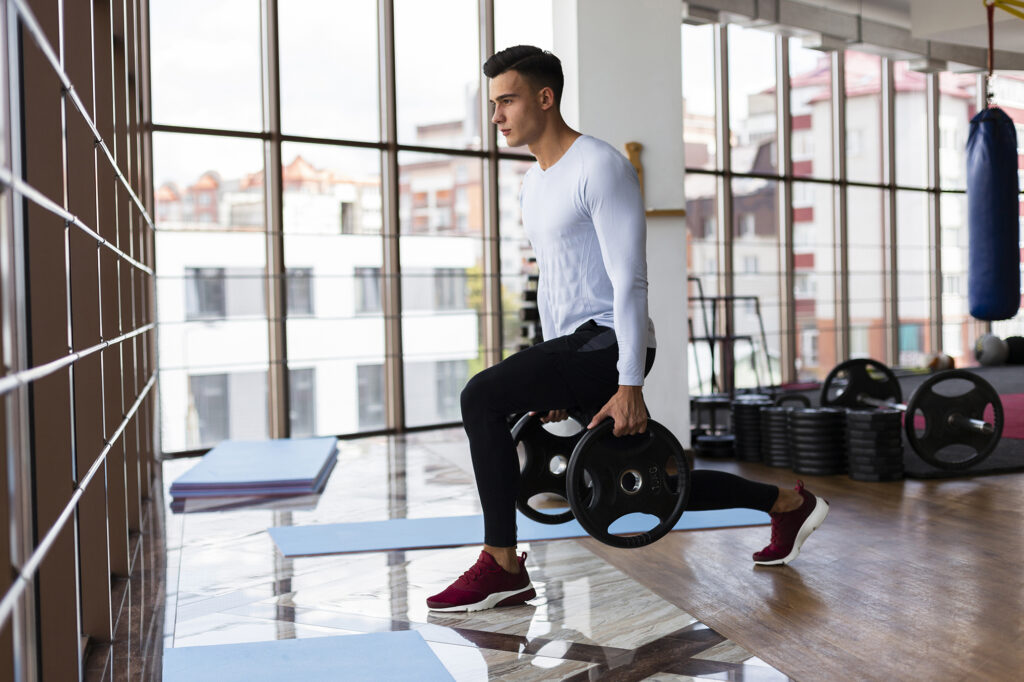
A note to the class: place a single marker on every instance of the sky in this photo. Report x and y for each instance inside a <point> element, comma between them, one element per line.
<point>206,71</point>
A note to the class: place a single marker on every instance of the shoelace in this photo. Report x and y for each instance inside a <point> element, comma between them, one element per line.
<point>474,572</point>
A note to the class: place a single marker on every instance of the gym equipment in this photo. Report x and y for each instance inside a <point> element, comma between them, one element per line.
<point>993,214</point>
<point>775,448</point>
<point>939,361</point>
<point>952,423</point>
<point>746,424</point>
<point>610,477</point>
<point>874,444</point>
<point>1014,350</point>
<point>544,457</point>
<point>817,440</point>
<point>990,350</point>
<point>603,477</point>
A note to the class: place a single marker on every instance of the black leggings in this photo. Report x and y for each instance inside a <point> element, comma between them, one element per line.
<point>577,371</point>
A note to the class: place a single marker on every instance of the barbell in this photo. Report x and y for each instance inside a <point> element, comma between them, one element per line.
<point>604,478</point>
<point>947,426</point>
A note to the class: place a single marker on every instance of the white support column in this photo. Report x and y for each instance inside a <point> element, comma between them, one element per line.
<point>622,63</point>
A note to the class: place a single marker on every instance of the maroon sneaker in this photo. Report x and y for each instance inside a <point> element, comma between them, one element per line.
<point>790,529</point>
<point>484,586</point>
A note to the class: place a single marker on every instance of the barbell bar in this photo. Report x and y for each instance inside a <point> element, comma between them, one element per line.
<point>955,434</point>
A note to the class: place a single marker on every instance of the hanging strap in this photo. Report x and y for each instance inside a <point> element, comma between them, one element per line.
<point>990,8</point>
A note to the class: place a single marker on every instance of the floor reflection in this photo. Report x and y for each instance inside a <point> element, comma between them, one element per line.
<point>226,582</point>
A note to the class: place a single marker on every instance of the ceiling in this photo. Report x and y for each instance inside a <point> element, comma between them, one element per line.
<point>962,22</point>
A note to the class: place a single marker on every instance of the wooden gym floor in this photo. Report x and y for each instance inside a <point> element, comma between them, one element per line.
<point>908,580</point>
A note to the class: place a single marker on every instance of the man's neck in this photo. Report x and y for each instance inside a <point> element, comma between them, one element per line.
<point>553,144</point>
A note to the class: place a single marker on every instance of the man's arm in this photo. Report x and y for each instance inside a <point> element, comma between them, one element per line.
<point>616,207</point>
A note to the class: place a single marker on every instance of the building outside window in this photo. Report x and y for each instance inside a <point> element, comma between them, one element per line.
<point>300,292</point>
<point>371,397</point>
<point>302,402</point>
<point>205,294</point>
<point>368,290</point>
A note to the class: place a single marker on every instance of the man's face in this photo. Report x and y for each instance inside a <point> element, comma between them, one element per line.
<point>518,109</point>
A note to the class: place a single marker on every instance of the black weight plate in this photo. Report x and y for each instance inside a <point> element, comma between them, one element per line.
<point>796,417</point>
<point>881,453</point>
<point>886,442</point>
<point>868,445</point>
<point>876,462</point>
<point>823,445</point>
<point>800,430</point>
<point>818,471</point>
<point>874,416</point>
<point>793,397</point>
<point>850,380</point>
<point>959,448</point>
<point>604,461</point>
<point>831,455</point>
<point>538,447</point>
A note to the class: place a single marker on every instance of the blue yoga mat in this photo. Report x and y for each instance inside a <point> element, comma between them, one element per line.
<point>402,655</point>
<point>279,466</point>
<point>455,531</point>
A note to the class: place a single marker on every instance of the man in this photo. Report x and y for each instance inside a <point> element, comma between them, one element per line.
<point>582,211</point>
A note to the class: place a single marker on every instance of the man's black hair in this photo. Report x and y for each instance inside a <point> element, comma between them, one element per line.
<point>540,68</point>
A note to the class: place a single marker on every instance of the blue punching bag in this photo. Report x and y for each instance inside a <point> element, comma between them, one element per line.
<point>993,278</point>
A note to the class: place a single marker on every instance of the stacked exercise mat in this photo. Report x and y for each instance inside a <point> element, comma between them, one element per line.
<point>258,469</point>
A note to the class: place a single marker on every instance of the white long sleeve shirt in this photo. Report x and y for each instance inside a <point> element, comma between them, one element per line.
<point>584,216</point>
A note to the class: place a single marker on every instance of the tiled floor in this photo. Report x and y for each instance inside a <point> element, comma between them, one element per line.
<point>226,583</point>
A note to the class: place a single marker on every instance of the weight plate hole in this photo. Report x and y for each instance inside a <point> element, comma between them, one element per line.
<point>631,481</point>
<point>558,464</point>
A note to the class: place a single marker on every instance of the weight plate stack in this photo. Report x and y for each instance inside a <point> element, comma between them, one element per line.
<point>775,448</point>
<point>817,440</point>
<point>746,424</point>
<point>714,446</point>
<point>874,444</point>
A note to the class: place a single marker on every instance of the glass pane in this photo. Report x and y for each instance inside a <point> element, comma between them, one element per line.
<point>752,100</point>
<point>959,329</point>
<point>810,101</point>
<point>910,141</point>
<point>814,280</point>
<point>210,282</point>
<point>704,240</point>
<point>1008,93</point>
<point>957,106</point>
<point>520,321</point>
<point>867,258</point>
<point>757,316</point>
<point>334,259</point>
<point>206,73</point>
<point>913,285</point>
<point>863,117</point>
<point>328,64</point>
<point>438,79</point>
<point>699,96</point>
<point>440,208</point>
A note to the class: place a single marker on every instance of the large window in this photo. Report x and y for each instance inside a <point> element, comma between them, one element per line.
<point>376,222</point>
<point>874,207</point>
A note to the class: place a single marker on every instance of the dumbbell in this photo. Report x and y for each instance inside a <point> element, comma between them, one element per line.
<point>954,425</point>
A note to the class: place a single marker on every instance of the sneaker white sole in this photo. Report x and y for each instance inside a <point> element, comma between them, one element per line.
<point>811,523</point>
<point>488,602</point>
